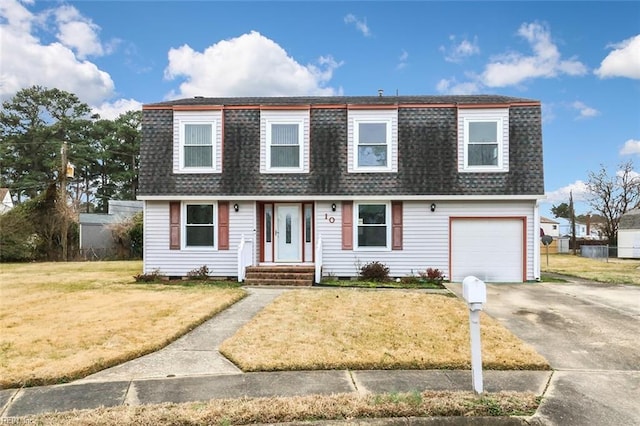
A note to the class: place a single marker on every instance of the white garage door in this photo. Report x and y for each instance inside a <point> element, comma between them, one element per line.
<point>490,249</point>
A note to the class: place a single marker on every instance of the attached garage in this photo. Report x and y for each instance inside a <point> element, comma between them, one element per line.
<point>492,249</point>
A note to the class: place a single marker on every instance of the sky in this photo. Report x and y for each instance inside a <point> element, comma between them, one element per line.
<point>581,60</point>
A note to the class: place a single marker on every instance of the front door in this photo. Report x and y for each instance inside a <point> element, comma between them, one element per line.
<point>288,233</point>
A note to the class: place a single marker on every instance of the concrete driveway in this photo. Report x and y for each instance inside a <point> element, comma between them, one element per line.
<point>590,334</point>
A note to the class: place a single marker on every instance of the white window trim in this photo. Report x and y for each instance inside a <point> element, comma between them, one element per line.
<point>209,117</point>
<point>475,115</point>
<point>388,117</point>
<point>356,224</point>
<point>301,145</point>
<point>183,226</point>
<point>500,142</point>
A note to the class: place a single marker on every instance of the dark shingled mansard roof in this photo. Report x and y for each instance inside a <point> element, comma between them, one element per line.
<point>352,100</point>
<point>427,150</point>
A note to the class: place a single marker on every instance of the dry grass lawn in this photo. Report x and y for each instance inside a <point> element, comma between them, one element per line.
<point>313,407</point>
<point>361,329</point>
<point>62,321</point>
<point>619,271</point>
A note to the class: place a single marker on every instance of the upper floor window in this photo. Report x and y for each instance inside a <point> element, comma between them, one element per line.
<point>283,144</point>
<point>197,144</point>
<point>284,137</point>
<point>483,140</point>
<point>373,141</point>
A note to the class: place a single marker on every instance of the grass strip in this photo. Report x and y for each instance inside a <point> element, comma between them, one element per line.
<point>304,408</point>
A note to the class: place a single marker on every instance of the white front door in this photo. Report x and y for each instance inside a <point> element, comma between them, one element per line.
<point>288,233</point>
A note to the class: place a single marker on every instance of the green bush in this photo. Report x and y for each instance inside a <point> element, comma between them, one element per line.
<point>375,271</point>
<point>18,237</point>
<point>136,234</point>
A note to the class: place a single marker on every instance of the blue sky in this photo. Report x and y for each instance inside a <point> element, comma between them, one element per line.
<point>580,59</point>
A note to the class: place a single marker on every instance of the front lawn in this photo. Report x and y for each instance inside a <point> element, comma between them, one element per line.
<point>64,321</point>
<point>613,270</point>
<point>364,329</point>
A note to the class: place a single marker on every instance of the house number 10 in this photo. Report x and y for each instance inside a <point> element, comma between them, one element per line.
<point>331,219</point>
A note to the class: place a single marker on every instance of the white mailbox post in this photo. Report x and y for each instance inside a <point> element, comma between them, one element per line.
<point>474,291</point>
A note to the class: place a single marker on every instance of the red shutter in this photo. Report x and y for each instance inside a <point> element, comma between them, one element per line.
<point>174,225</point>
<point>223,225</point>
<point>347,225</point>
<point>396,225</point>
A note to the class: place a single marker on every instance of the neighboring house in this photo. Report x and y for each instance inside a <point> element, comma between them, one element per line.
<point>6,203</point>
<point>447,182</point>
<point>550,226</point>
<point>590,231</point>
<point>96,237</point>
<point>565,228</point>
<point>629,235</point>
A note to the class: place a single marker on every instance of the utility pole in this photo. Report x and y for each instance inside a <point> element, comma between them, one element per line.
<point>64,228</point>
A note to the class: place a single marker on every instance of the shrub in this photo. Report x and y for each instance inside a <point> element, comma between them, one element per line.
<point>149,277</point>
<point>202,273</point>
<point>375,271</point>
<point>432,275</point>
<point>18,237</point>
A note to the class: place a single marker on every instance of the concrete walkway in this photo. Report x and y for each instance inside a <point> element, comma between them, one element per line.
<point>195,353</point>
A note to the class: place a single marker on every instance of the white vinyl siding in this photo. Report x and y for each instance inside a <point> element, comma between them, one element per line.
<point>221,263</point>
<point>188,151</point>
<point>372,141</point>
<point>284,141</point>
<point>483,140</point>
<point>425,236</point>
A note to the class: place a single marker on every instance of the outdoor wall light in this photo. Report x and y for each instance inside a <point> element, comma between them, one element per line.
<point>333,207</point>
<point>433,207</point>
<point>236,207</point>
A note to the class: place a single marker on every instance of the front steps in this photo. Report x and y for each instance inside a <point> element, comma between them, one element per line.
<point>285,275</point>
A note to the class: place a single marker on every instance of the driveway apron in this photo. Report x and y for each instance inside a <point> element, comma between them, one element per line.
<point>589,333</point>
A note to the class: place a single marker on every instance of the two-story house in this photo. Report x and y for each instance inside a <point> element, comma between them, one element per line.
<point>447,182</point>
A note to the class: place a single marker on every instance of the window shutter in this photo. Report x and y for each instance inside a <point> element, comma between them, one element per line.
<point>396,225</point>
<point>223,225</point>
<point>174,225</point>
<point>347,225</point>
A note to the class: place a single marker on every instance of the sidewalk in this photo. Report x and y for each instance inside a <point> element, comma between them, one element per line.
<point>192,369</point>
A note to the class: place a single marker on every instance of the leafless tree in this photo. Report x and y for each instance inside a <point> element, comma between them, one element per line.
<point>612,196</point>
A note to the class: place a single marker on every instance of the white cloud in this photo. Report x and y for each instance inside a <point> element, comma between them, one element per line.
<point>458,51</point>
<point>111,110</point>
<point>27,61</point>
<point>561,195</point>
<point>631,147</point>
<point>77,32</point>
<point>584,110</point>
<point>402,60</point>
<point>623,61</point>
<point>361,24</point>
<point>514,68</point>
<point>453,87</point>
<point>249,65</point>
<point>546,62</point>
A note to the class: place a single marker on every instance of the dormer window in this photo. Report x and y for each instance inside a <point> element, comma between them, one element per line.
<point>284,141</point>
<point>197,146</point>
<point>483,140</point>
<point>373,140</point>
